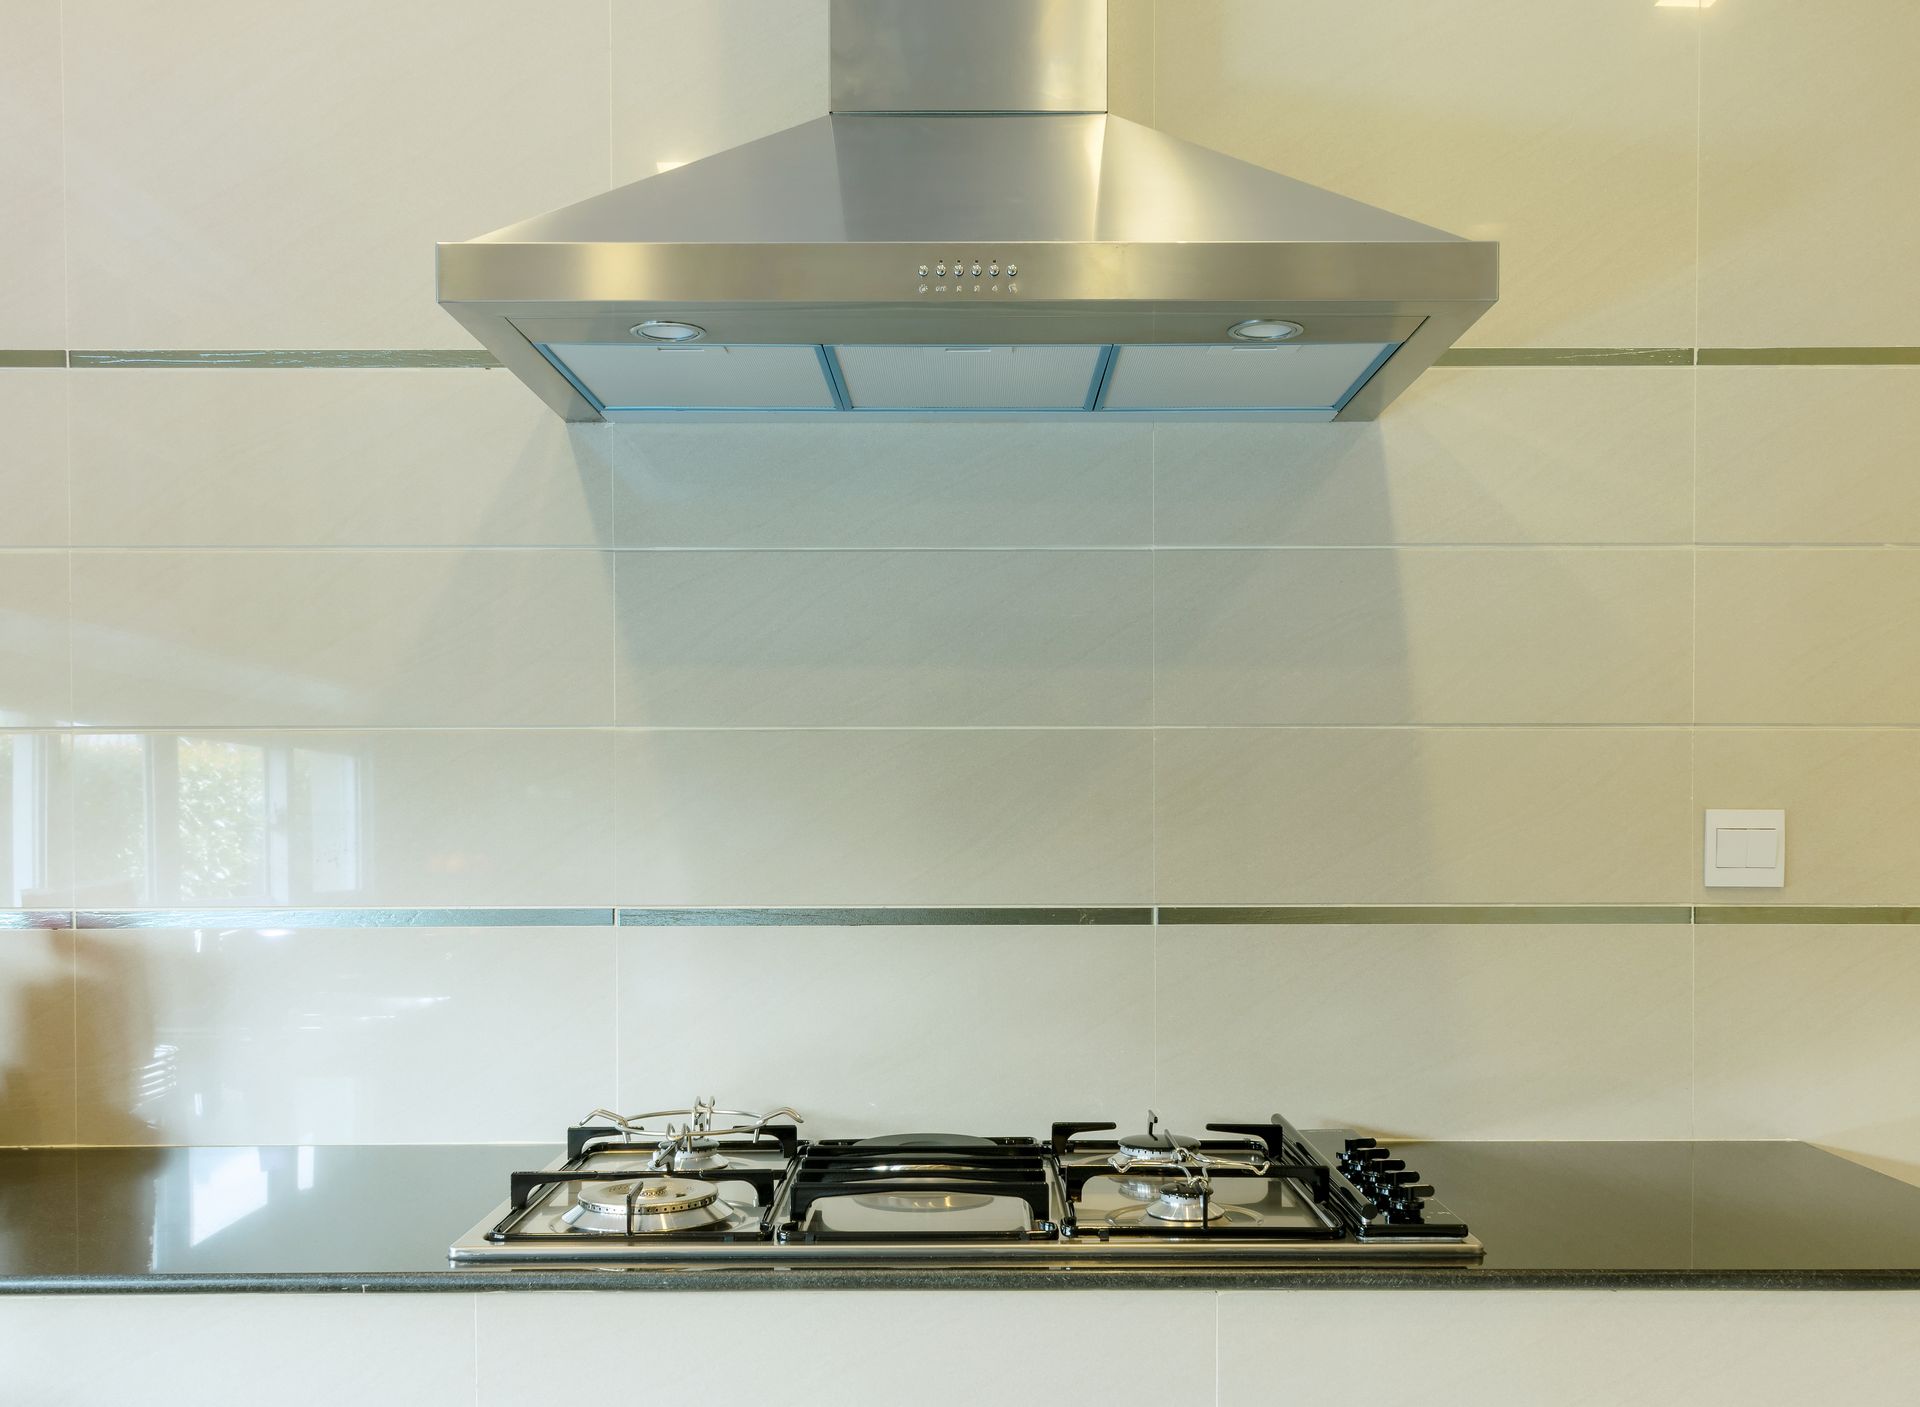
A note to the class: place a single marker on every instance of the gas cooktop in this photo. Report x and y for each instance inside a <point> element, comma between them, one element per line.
<point>709,1186</point>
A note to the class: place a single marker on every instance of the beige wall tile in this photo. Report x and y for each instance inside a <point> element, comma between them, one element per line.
<point>1567,132</point>
<point>1386,816</point>
<point>1130,41</point>
<point>1345,636</point>
<point>885,638</point>
<point>986,816</point>
<point>1808,1032</point>
<point>1852,799</point>
<point>1810,454</point>
<point>853,999</point>
<point>190,458</point>
<point>699,76</point>
<point>33,458</point>
<point>246,176</point>
<point>1809,118</point>
<point>32,231</point>
<point>343,638</point>
<point>884,484</point>
<point>230,1350</point>
<point>35,662</point>
<point>337,1035</point>
<point>36,833</point>
<point>405,818</point>
<point>1488,455</point>
<point>1506,1031</point>
<point>1809,636</point>
<point>1521,1348</point>
<point>936,1348</point>
<point>36,1038</point>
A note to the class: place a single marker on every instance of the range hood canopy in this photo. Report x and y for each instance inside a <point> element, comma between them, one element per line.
<point>969,231</point>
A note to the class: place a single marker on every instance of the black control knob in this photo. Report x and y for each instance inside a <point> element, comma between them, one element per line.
<point>1398,1179</point>
<point>1354,1145</point>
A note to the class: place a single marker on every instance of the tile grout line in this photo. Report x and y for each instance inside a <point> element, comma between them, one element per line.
<point>433,549</point>
<point>1153,747</point>
<point>1695,824</point>
<point>66,396</point>
<point>87,730</point>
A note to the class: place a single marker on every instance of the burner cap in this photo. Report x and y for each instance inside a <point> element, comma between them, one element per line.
<point>1181,1202</point>
<point>1144,1145</point>
<point>657,1197</point>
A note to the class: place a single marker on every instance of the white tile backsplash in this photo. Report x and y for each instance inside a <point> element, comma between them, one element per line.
<point>862,639</point>
<point>1809,635</point>
<point>1565,131</point>
<point>1495,1031</point>
<point>1416,816</point>
<point>36,678</point>
<point>249,177</point>
<point>735,70</point>
<point>1809,454</point>
<point>1806,130</point>
<point>36,1037</point>
<point>412,639</point>
<point>1512,455</point>
<point>33,310</point>
<point>911,817</point>
<point>884,1024</point>
<point>344,818</point>
<point>339,1035</point>
<point>884,484</point>
<point>399,638</point>
<point>1398,636</point>
<point>33,457</point>
<point>339,458</point>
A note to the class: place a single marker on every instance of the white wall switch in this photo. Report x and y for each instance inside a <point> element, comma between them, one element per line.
<point>1746,849</point>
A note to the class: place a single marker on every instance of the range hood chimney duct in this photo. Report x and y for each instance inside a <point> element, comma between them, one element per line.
<point>968,231</point>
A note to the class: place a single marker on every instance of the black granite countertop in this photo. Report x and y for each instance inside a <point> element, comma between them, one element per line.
<point>379,1218</point>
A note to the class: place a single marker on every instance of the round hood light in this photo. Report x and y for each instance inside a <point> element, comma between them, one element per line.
<point>1264,330</point>
<point>668,331</point>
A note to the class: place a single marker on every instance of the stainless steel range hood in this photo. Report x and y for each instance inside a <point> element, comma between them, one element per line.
<point>968,232</point>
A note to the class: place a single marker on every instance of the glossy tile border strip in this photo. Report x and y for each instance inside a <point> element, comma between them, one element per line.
<point>869,917</point>
<point>1680,356</point>
<point>1327,915</point>
<point>323,359</point>
<point>401,358</point>
<point>1802,913</point>
<point>344,918</point>
<point>1428,913</point>
<point>1566,356</point>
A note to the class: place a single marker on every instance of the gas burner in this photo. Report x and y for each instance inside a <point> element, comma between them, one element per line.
<point>692,1147</point>
<point>652,1206</point>
<point>1182,1205</point>
<point>1153,1146</point>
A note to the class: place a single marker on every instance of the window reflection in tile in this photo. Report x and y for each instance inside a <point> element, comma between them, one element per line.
<point>231,818</point>
<point>32,862</point>
<point>180,818</point>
